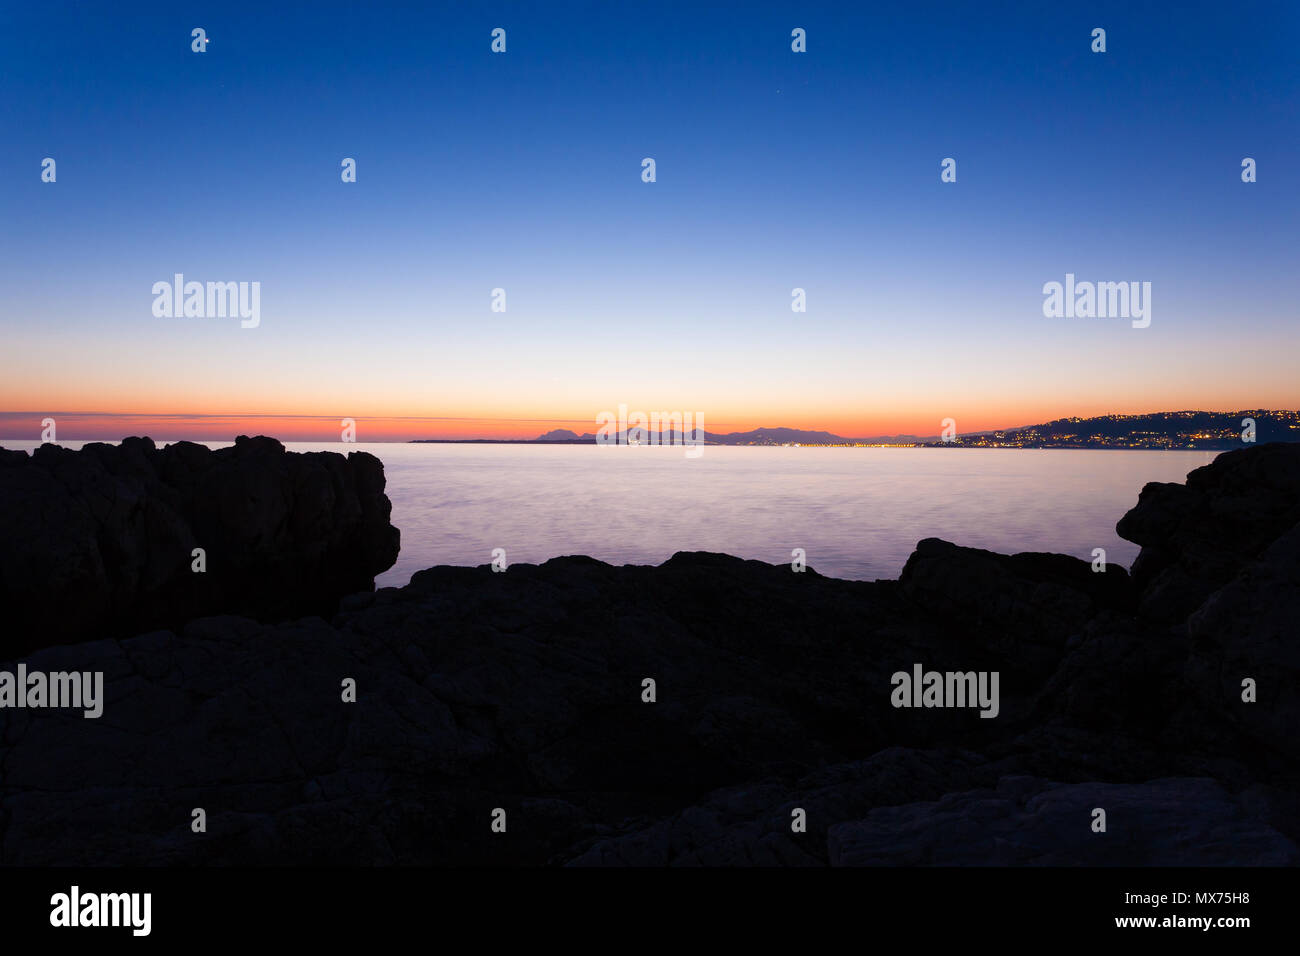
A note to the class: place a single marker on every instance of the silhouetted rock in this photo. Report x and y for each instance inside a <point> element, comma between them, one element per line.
<point>1249,629</point>
<point>1025,605</point>
<point>774,696</point>
<point>98,542</point>
<point>1198,536</point>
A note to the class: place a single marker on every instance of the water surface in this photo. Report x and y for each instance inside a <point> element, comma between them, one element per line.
<point>857,512</point>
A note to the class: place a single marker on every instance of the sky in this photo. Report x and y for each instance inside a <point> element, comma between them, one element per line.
<point>522,171</point>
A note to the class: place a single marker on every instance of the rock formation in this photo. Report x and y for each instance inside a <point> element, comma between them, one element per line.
<point>523,691</point>
<point>100,542</point>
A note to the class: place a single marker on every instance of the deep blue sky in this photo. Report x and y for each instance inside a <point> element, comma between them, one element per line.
<point>775,170</point>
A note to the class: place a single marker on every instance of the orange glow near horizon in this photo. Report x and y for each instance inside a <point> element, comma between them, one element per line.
<point>111,426</point>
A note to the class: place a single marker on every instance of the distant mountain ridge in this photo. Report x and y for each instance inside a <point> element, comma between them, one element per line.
<point>1174,430</point>
<point>755,436</point>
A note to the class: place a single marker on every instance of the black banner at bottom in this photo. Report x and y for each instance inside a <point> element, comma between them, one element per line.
<point>337,905</point>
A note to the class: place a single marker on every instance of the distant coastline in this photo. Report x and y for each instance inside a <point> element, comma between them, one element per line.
<point>547,444</point>
<point>1158,431</point>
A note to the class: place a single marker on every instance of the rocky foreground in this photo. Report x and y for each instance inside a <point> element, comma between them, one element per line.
<point>102,542</point>
<point>524,691</point>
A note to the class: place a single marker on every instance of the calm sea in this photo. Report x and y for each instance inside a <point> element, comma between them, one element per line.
<point>857,512</point>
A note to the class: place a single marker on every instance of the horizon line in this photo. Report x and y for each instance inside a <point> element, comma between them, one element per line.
<point>180,417</point>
